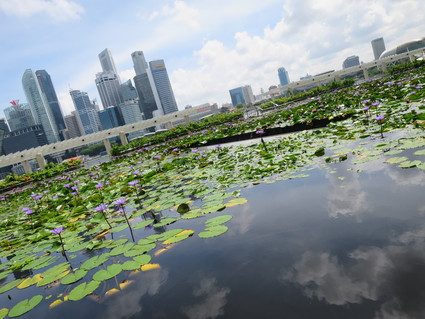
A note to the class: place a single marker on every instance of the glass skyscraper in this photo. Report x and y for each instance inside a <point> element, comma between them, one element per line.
<point>163,86</point>
<point>19,116</point>
<point>48,89</point>
<point>242,95</point>
<point>283,76</point>
<point>108,81</point>
<point>378,46</point>
<point>111,117</point>
<point>40,107</point>
<point>87,111</point>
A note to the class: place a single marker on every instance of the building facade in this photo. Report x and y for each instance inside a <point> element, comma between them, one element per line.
<point>128,91</point>
<point>242,95</point>
<point>19,116</point>
<point>39,105</point>
<point>73,126</point>
<point>24,139</point>
<point>46,85</point>
<point>87,112</point>
<point>378,46</point>
<point>107,62</point>
<point>163,86</point>
<point>108,86</point>
<point>283,76</point>
<point>111,117</point>
<point>351,61</point>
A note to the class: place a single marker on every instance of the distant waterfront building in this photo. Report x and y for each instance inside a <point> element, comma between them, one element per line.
<point>87,112</point>
<point>145,86</point>
<point>19,116</point>
<point>24,139</point>
<point>306,77</point>
<point>131,114</point>
<point>378,46</point>
<point>128,91</point>
<point>107,62</point>
<point>110,117</point>
<point>283,76</point>
<point>39,105</point>
<point>73,126</point>
<point>48,89</point>
<point>242,95</point>
<point>351,61</point>
<point>163,86</point>
<point>404,47</point>
<point>108,86</point>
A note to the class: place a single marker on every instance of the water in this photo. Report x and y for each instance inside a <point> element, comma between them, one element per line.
<point>337,244</point>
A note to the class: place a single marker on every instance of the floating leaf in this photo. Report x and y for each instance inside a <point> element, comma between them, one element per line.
<point>29,281</point>
<point>111,292</point>
<point>183,208</point>
<point>3,312</point>
<point>165,222</point>
<point>94,262</point>
<point>179,237</point>
<point>24,306</point>
<point>218,220</point>
<point>108,273</point>
<point>193,214</point>
<point>55,303</point>
<point>143,224</point>
<point>395,160</point>
<point>40,263</point>
<point>125,284</point>
<point>142,259</point>
<point>119,228</point>
<point>139,250</point>
<point>236,201</point>
<point>74,277</point>
<point>83,290</point>
<point>409,164</point>
<point>213,231</point>
<point>131,265</point>
<point>420,152</point>
<point>55,273</point>
<point>121,249</point>
<point>10,285</point>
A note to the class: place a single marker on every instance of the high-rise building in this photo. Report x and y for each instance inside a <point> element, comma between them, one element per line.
<point>242,95</point>
<point>131,114</point>
<point>73,126</point>
<point>351,61</point>
<point>378,46</point>
<point>283,76</point>
<point>163,86</point>
<point>111,117</point>
<point>19,116</point>
<point>39,105</point>
<point>4,127</point>
<point>107,62</point>
<point>24,139</point>
<point>145,86</point>
<point>108,86</point>
<point>48,89</point>
<point>87,112</point>
<point>108,81</point>
<point>128,91</point>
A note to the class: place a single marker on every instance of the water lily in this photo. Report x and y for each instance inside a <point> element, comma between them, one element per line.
<point>99,185</point>
<point>380,119</point>
<point>58,230</point>
<point>27,211</point>
<point>260,132</point>
<point>133,183</point>
<point>102,208</point>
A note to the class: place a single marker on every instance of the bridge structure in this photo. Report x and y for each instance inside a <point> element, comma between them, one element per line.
<point>336,75</point>
<point>38,153</point>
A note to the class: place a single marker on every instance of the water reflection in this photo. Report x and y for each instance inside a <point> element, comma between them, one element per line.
<point>214,300</point>
<point>392,274</point>
<point>128,303</point>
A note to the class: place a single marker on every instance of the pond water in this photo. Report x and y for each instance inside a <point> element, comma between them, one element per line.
<point>345,242</point>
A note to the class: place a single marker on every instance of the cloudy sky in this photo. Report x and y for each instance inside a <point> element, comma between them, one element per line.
<point>209,46</point>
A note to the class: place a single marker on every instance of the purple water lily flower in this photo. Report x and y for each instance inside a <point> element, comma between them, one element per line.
<point>99,185</point>
<point>120,202</point>
<point>380,118</point>
<point>366,108</point>
<point>260,132</point>
<point>101,208</point>
<point>133,183</point>
<point>36,197</point>
<point>175,149</point>
<point>57,231</point>
<point>195,151</point>
<point>157,157</point>
<point>376,103</point>
<point>27,210</point>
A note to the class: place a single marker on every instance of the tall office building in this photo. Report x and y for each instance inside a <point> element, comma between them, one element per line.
<point>87,112</point>
<point>24,139</point>
<point>108,81</point>
<point>19,116</point>
<point>73,126</point>
<point>111,117</point>
<point>39,105</point>
<point>128,91</point>
<point>48,89</point>
<point>242,95</point>
<point>378,46</point>
<point>145,86</point>
<point>351,61</point>
<point>3,126</point>
<point>163,86</point>
<point>283,76</point>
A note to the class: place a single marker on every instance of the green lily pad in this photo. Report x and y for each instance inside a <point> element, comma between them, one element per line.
<point>179,237</point>
<point>24,306</point>
<point>137,262</point>
<point>83,290</point>
<point>165,222</point>
<point>55,273</point>
<point>218,220</point>
<point>41,262</point>
<point>213,231</point>
<point>183,208</point>
<point>142,259</point>
<point>139,250</point>
<point>395,160</point>
<point>420,152</point>
<point>409,164</point>
<point>121,249</point>
<point>3,313</point>
<point>94,262</point>
<point>142,224</point>
<point>74,277</point>
<point>119,228</point>
<point>108,273</point>
<point>10,285</point>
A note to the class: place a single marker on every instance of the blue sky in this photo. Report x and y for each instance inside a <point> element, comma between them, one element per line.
<point>209,46</point>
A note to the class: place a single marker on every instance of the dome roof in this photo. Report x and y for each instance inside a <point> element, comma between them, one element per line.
<point>402,48</point>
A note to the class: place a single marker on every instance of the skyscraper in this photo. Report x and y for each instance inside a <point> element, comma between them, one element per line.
<point>19,116</point>
<point>108,81</point>
<point>40,107</point>
<point>111,117</point>
<point>48,89</point>
<point>128,91</point>
<point>242,95</point>
<point>378,46</point>
<point>73,128</point>
<point>283,76</point>
<point>163,86</point>
<point>87,112</point>
<point>145,86</point>
<point>351,61</point>
<point>3,126</point>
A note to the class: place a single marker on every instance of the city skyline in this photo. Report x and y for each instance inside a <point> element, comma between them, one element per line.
<point>210,58</point>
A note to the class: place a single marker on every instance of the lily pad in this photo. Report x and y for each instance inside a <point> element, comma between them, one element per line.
<point>395,160</point>
<point>74,277</point>
<point>409,164</point>
<point>94,262</point>
<point>420,152</point>
<point>41,262</point>
<point>139,250</point>
<point>29,281</point>
<point>142,224</point>
<point>108,273</point>
<point>10,285</point>
<point>218,220</point>
<point>55,273</point>
<point>82,290</point>
<point>165,222</point>
<point>3,313</point>
<point>121,249</point>
<point>213,231</point>
<point>179,237</point>
<point>236,201</point>
<point>24,306</point>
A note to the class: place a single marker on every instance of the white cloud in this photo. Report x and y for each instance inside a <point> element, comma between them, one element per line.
<point>57,10</point>
<point>180,12</point>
